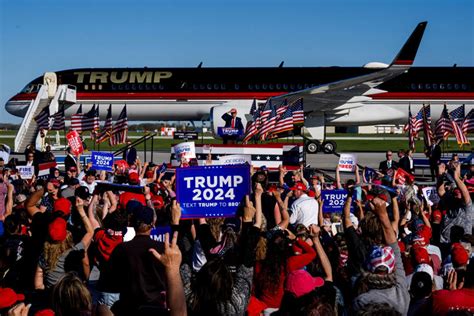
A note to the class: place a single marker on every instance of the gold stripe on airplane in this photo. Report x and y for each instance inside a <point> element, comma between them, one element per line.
<point>121,76</point>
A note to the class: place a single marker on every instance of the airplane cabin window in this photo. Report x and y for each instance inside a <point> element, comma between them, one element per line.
<point>435,86</point>
<point>250,86</point>
<point>449,86</point>
<point>223,86</point>
<point>257,86</point>
<point>278,86</point>
<point>161,87</point>
<point>285,86</point>
<point>441,86</point>
<point>236,86</point>
<point>413,86</point>
<point>428,86</point>
<point>456,86</point>
<point>271,86</point>
<point>464,86</point>
<point>264,86</point>
<point>202,86</point>
<point>299,86</point>
<point>292,86</point>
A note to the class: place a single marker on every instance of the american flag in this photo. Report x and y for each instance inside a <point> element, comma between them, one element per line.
<point>107,130</point>
<point>468,123</point>
<point>428,133</point>
<point>298,112</point>
<point>460,136</point>
<point>409,128</point>
<point>42,119</point>
<point>119,129</point>
<point>269,124</point>
<point>86,122</point>
<point>284,122</point>
<point>58,120</point>
<point>282,108</point>
<point>443,125</point>
<point>457,114</point>
<point>266,112</point>
<point>418,122</point>
<point>251,128</point>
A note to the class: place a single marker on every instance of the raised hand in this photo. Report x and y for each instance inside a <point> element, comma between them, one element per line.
<point>171,257</point>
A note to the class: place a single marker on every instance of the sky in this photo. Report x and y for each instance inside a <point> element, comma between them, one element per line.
<point>42,36</point>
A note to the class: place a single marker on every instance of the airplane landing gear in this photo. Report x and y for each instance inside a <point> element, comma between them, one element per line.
<point>329,147</point>
<point>312,146</point>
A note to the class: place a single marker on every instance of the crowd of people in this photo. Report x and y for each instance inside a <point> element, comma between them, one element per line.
<point>79,243</point>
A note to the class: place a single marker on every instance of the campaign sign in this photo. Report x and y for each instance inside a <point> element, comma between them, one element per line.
<point>229,131</point>
<point>401,176</point>
<point>431,195</point>
<point>102,160</point>
<point>334,200</point>
<point>5,152</point>
<point>347,162</point>
<point>185,150</point>
<point>235,159</point>
<point>158,233</point>
<point>212,191</point>
<point>75,142</point>
<point>26,172</point>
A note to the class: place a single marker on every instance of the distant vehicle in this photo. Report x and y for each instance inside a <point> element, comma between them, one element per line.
<point>376,93</point>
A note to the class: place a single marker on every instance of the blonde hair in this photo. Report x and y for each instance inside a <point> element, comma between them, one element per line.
<point>215,225</point>
<point>52,251</point>
<point>70,296</point>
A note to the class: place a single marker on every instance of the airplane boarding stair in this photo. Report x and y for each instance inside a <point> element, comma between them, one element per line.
<point>28,132</point>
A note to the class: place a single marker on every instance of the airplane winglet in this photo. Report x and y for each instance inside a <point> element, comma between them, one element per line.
<point>406,55</point>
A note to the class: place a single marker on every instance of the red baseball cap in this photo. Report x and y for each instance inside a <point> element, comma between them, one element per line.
<point>45,312</point>
<point>133,178</point>
<point>300,282</point>
<point>437,216</point>
<point>57,229</point>
<point>62,205</point>
<point>420,255</point>
<point>298,186</point>
<point>459,255</point>
<point>8,298</point>
<point>234,110</point>
<point>423,235</point>
<point>157,201</point>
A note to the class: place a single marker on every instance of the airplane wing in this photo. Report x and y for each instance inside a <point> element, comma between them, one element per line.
<point>330,96</point>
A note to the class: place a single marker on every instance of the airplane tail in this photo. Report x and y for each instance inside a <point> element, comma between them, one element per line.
<point>406,55</point>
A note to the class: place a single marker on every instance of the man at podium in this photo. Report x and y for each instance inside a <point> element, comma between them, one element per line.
<point>232,121</point>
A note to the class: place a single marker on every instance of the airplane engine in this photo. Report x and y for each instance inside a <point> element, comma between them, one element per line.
<point>243,110</point>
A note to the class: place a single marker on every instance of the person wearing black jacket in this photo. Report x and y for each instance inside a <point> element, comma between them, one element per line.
<point>406,162</point>
<point>388,164</point>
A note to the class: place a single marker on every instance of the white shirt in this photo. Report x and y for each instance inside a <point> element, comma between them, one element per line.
<point>91,187</point>
<point>304,211</point>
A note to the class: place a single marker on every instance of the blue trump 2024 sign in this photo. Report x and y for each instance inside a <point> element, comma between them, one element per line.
<point>334,200</point>
<point>212,191</point>
<point>102,161</point>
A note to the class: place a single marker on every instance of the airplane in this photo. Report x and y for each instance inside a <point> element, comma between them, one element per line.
<point>376,93</point>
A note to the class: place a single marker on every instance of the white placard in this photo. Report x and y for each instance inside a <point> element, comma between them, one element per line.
<point>347,162</point>
<point>185,150</point>
<point>235,159</point>
<point>26,172</point>
<point>5,153</point>
<point>431,195</point>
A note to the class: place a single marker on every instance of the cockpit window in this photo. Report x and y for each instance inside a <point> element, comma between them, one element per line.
<point>30,88</point>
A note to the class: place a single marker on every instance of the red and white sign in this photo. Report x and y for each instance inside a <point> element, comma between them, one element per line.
<point>401,176</point>
<point>75,142</point>
<point>347,162</point>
